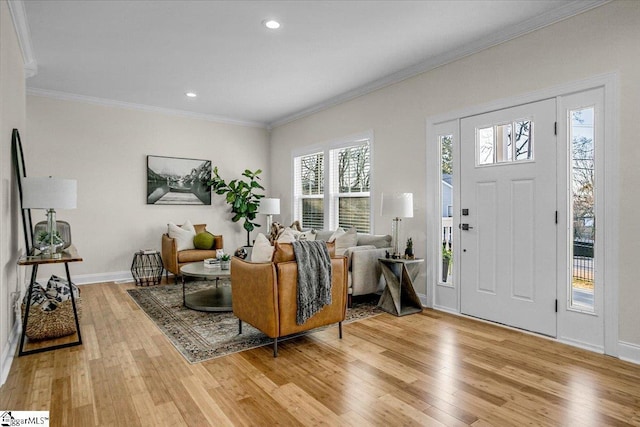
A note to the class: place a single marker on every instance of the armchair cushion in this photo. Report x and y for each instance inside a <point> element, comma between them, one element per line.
<point>183,235</point>
<point>203,240</point>
<point>195,255</point>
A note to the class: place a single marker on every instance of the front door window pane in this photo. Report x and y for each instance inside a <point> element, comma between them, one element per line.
<point>504,143</point>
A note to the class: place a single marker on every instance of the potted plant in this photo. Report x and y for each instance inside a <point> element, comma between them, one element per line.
<point>446,261</point>
<point>225,261</point>
<point>49,242</point>
<point>242,196</point>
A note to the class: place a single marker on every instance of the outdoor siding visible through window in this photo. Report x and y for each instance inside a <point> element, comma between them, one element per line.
<point>345,199</point>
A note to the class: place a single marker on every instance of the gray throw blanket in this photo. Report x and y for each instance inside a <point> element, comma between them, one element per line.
<point>314,278</point>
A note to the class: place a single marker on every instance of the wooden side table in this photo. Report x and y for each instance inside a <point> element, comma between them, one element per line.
<point>399,298</point>
<point>69,255</point>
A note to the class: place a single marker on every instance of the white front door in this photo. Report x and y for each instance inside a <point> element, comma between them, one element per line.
<point>508,203</point>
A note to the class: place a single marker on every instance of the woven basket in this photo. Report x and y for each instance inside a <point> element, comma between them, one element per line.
<point>60,322</point>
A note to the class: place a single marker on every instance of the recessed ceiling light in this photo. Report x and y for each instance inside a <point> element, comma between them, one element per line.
<point>191,94</point>
<point>271,24</point>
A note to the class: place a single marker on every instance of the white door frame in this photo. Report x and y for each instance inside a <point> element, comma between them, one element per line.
<point>609,197</point>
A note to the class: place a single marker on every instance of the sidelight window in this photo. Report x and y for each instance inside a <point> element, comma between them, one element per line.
<point>582,206</point>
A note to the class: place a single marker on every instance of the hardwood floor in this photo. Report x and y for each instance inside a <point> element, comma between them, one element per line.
<point>425,369</point>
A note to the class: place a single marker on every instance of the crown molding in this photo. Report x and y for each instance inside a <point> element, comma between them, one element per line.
<point>509,33</point>
<point>64,96</point>
<point>21,25</point>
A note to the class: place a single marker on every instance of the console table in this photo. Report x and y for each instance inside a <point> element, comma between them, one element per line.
<point>69,255</point>
<point>399,298</point>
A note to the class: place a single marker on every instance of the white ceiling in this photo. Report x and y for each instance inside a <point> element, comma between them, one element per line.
<point>147,54</point>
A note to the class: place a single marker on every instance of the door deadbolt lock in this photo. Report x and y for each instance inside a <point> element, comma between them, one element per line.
<point>465,227</point>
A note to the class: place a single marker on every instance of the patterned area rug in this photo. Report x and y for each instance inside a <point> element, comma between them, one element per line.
<point>200,336</point>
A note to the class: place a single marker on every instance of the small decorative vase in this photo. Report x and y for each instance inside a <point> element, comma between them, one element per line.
<point>224,265</point>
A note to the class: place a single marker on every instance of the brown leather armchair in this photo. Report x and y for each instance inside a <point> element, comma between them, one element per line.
<point>174,259</point>
<point>265,296</point>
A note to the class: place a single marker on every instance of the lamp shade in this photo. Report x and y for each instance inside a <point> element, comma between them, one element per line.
<point>49,193</point>
<point>269,207</point>
<point>399,205</point>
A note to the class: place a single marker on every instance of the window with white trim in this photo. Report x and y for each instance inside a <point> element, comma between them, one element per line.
<point>309,190</point>
<point>346,199</point>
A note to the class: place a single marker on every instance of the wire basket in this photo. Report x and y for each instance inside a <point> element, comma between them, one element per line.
<point>57,323</point>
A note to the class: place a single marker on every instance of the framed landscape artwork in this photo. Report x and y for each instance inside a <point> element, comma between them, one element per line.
<point>177,181</point>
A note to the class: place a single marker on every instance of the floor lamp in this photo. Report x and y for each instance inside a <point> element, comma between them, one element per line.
<point>397,205</point>
<point>50,194</point>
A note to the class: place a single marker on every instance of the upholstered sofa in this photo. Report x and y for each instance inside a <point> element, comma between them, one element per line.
<point>173,258</point>
<point>363,270</point>
<point>265,295</point>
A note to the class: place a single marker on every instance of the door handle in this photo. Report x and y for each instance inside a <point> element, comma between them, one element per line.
<point>465,227</point>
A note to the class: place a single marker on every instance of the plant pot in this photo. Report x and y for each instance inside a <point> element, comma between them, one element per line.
<point>225,265</point>
<point>445,269</point>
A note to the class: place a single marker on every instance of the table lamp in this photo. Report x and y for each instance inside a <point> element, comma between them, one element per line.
<point>49,194</point>
<point>397,205</point>
<point>269,207</point>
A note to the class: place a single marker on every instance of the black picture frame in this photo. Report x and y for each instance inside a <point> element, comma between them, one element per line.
<point>21,173</point>
<point>178,181</point>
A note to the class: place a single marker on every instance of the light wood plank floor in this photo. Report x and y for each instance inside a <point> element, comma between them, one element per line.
<point>424,369</point>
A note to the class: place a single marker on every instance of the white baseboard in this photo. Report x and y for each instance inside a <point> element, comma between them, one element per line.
<point>581,344</point>
<point>446,309</point>
<point>9,353</point>
<point>423,299</point>
<point>629,352</point>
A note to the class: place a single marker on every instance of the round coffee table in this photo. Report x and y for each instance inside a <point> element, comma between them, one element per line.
<point>217,298</point>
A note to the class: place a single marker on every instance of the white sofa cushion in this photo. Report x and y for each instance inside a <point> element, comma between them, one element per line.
<point>346,240</point>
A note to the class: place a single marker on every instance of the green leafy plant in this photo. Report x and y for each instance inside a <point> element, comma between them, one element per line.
<point>446,253</point>
<point>225,257</point>
<point>43,237</point>
<point>242,195</point>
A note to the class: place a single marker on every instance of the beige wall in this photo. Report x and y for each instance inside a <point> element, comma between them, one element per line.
<point>105,149</point>
<point>604,40</point>
<point>12,115</point>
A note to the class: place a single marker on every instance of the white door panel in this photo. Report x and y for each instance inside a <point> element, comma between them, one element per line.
<point>508,256</point>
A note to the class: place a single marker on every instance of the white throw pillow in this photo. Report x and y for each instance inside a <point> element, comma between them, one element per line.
<point>307,235</point>
<point>287,236</point>
<point>296,234</point>
<point>262,249</point>
<point>183,234</point>
<point>339,232</point>
<point>346,240</point>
